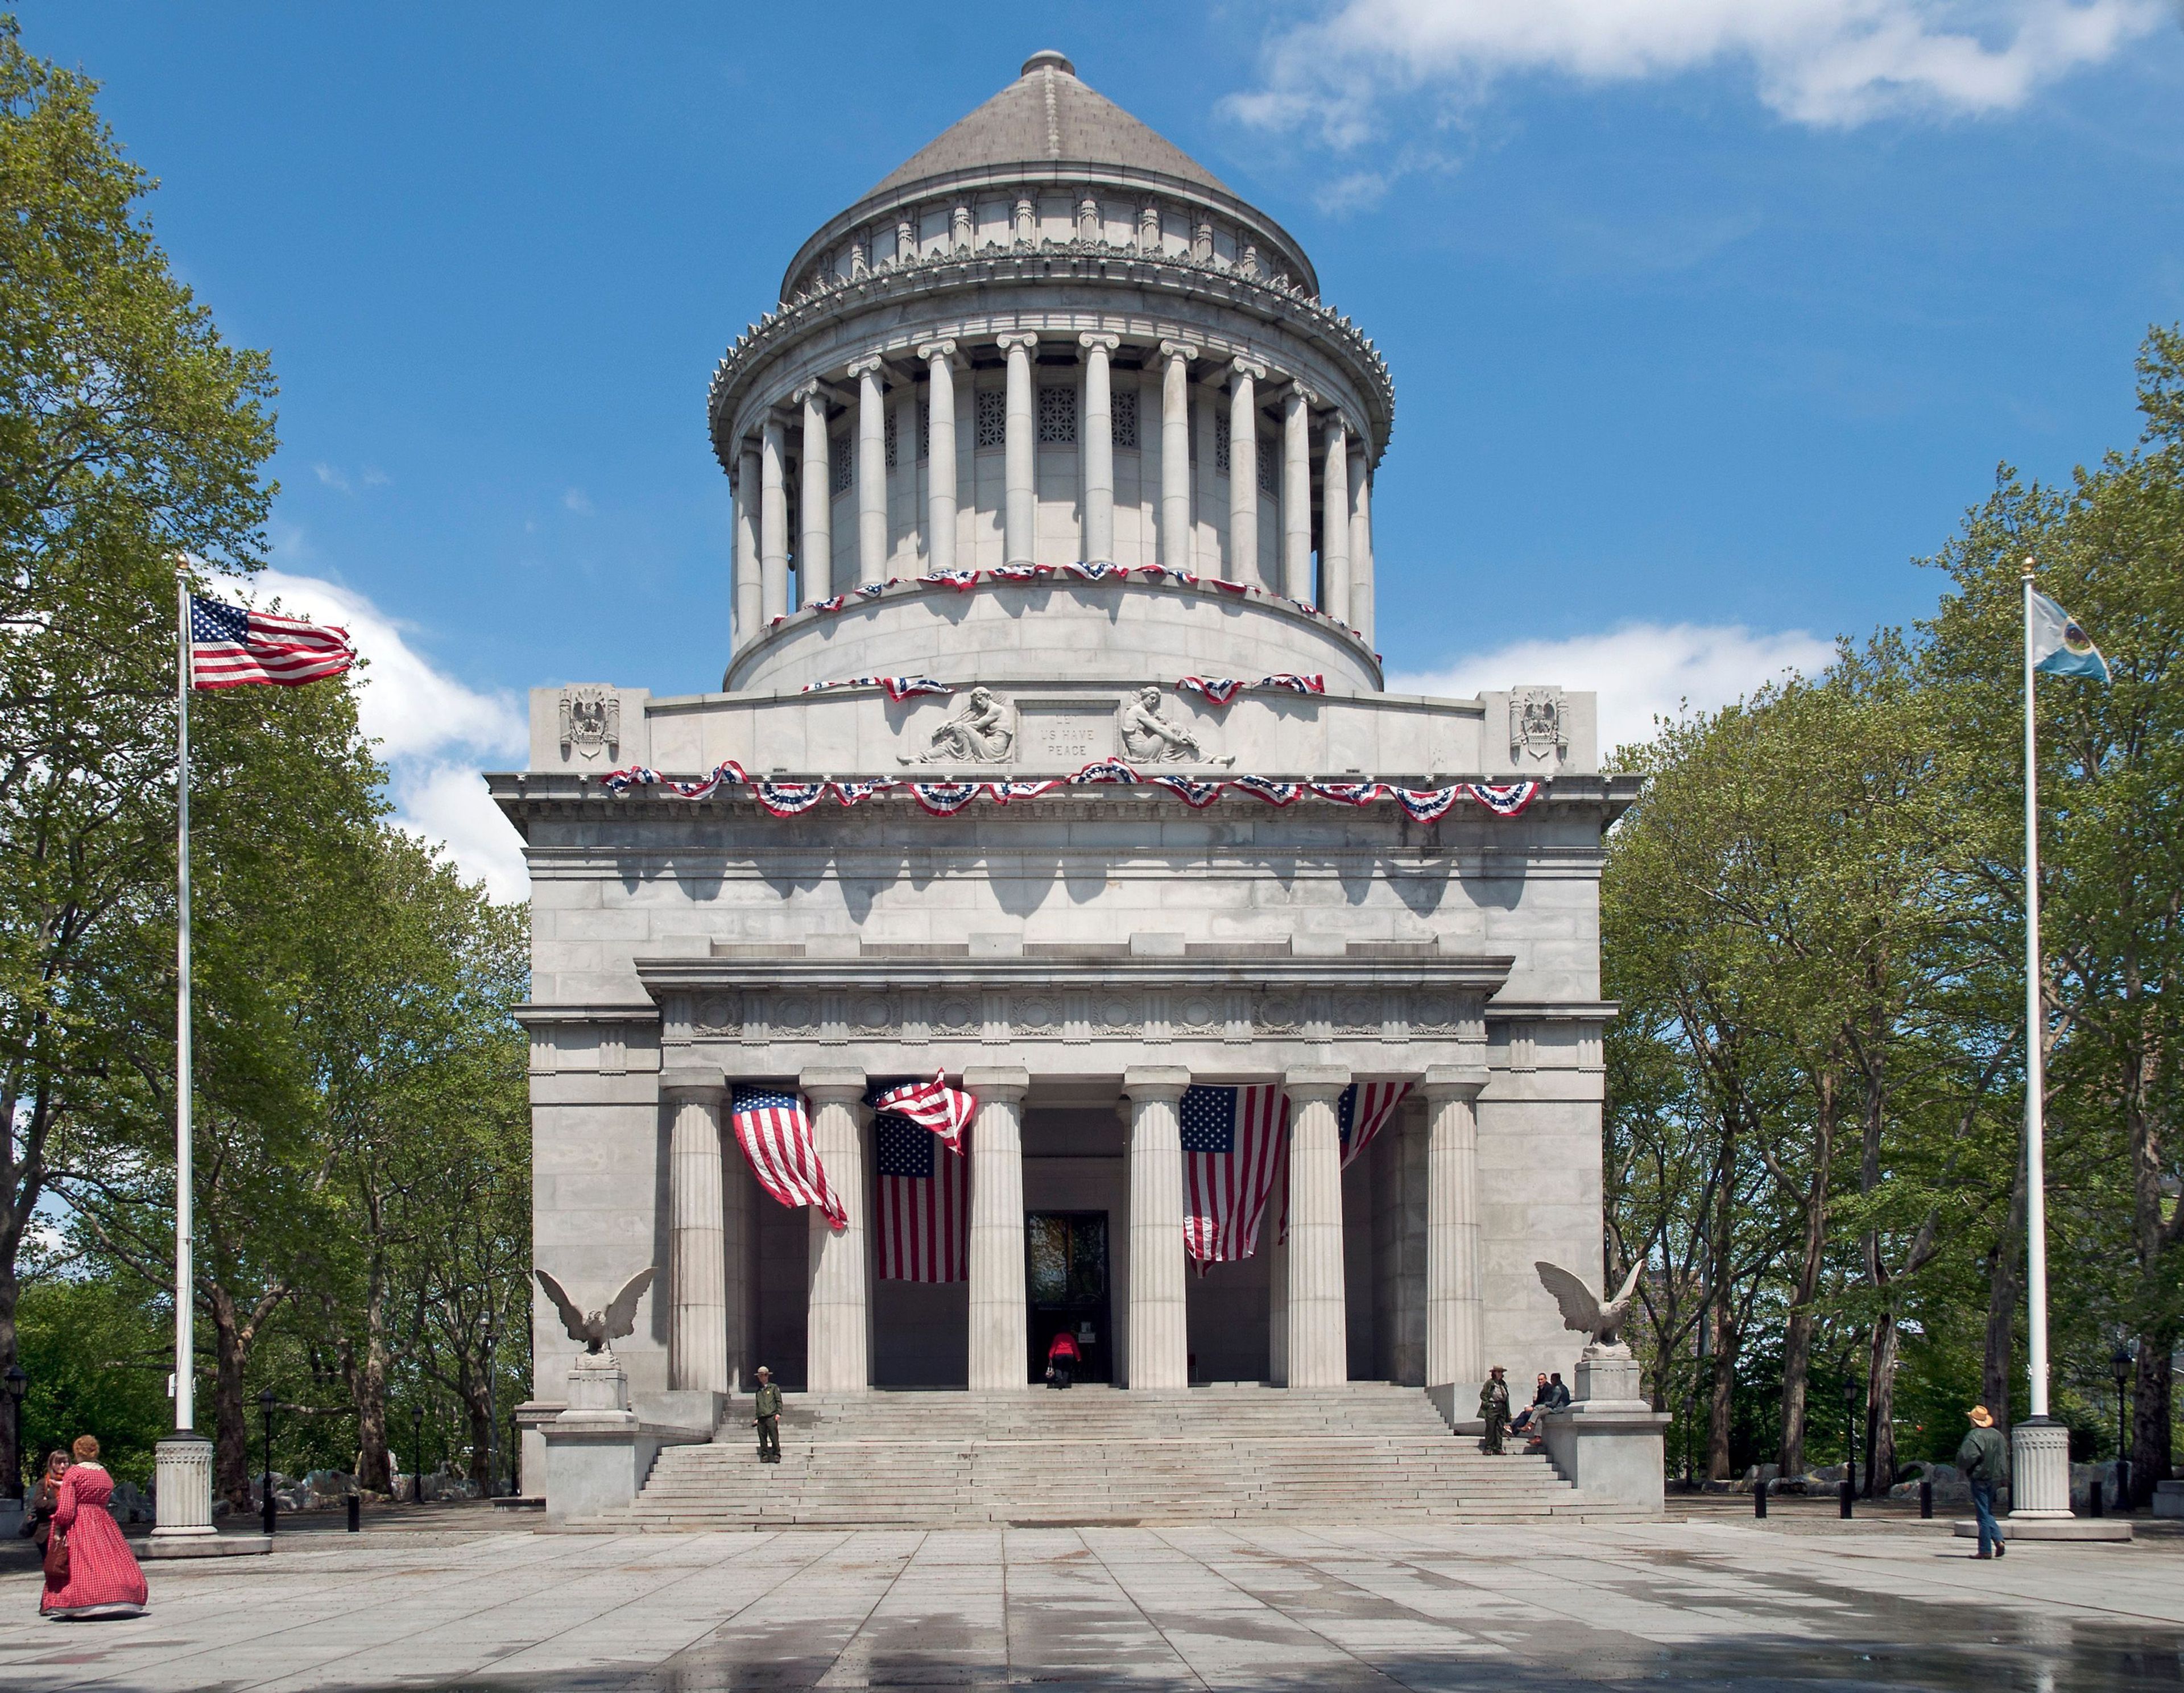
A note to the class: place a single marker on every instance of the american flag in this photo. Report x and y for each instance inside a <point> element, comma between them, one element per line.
<point>1232,1144</point>
<point>923,1214</point>
<point>1363,1111</point>
<point>231,646</point>
<point>934,1105</point>
<point>775,1133</point>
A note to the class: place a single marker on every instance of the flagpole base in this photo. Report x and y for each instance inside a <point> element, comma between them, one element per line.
<point>2040,1471</point>
<point>181,1487</point>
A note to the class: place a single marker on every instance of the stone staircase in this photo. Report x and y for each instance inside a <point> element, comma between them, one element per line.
<point>1096,1455</point>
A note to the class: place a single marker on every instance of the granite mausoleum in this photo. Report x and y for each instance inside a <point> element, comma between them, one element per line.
<point>1053,419</point>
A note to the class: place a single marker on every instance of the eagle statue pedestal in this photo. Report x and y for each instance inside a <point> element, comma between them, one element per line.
<point>598,1451</point>
<point>1608,1442</point>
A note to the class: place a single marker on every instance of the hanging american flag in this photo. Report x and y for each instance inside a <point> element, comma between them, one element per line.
<point>1232,1144</point>
<point>1363,1111</point>
<point>775,1133</point>
<point>231,646</point>
<point>921,1216</point>
<point>946,1111</point>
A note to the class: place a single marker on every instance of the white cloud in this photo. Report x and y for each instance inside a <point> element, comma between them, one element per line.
<point>332,475</point>
<point>435,733</point>
<point>576,500</point>
<point>1824,63</point>
<point>1641,671</point>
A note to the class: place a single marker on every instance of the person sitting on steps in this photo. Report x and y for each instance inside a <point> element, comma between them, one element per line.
<point>1062,1360</point>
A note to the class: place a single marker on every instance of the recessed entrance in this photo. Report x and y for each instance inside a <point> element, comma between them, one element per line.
<point>1066,1278</point>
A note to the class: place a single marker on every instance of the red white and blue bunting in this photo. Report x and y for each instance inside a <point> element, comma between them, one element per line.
<point>1220,690</point>
<point>899,688</point>
<point>946,799</point>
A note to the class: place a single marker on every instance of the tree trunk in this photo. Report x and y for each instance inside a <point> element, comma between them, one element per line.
<point>2151,1456</point>
<point>231,1454</point>
<point>11,1431</point>
<point>373,1472</point>
<point>2004,1288</point>
<point>1797,1332</point>
<point>1881,1406</point>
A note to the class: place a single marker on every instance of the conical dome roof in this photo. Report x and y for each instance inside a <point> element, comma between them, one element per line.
<point>1048,117</point>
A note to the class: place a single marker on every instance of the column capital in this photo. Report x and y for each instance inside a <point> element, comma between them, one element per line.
<point>1022,340</point>
<point>1177,349</point>
<point>1091,340</point>
<point>1337,424</point>
<point>1254,368</point>
<point>1298,392</point>
<point>1156,1082</point>
<point>871,364</point>
<point>832,1084</point>
<point>1452,1081</point>
<point>698,1081</point>
<point>931,351</point>
<point>807,392</point>
<point>1316,1082</point>
<point>1005,1082</point>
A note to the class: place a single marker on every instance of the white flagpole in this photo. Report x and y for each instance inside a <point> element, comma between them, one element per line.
<point>2035,1172</point>
<point>184,1220</point>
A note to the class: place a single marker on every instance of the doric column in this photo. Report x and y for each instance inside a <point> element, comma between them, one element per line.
<point>871,472</point>
<point>1296,492</point>
<point>1455,1314</point>
<point>1335,522</point>
<point>1175,454</point>
<point>1160,1344</point>
<point>696,1244</point>
<point>1243,561</point>
<point>816,497</point>
<point>1360,544</point>
<point>750,596</point>
<point>1001,1343</point>
<point>1319,1354</point>
<point>1098,437</point>
<point>939,358</point>
<point>837,1324</point>
<point>1275,1245</point>
<point>1019,456</point>
<point>773,523</point>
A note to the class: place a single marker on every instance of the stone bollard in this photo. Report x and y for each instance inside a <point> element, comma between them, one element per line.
<point>1759,1497</point>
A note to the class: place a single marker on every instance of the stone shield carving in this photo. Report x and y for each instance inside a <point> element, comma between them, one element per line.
<point>591,721</point>
<point>1538,725</point>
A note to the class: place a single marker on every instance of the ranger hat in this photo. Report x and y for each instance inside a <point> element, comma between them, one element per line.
<point>763,1371</point>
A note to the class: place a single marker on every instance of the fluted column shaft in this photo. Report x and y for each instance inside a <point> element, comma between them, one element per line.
<point>1242,564</point>
<point>696,1244</point>
<point>1319,1355</point>
<point>1296,493</point>
<point>749,597</point>
<point>1175,454</point>
<point>1001,1341</point>
<point>816,497</point>
<point>939,358</point>
<point>773,522</point>
<point>1335,523</point>
<point>1019,456</point>
<point>1360,544</point>
<point>871,473</point>
<point>838,1323</point>
<point>1159,1341</point>
<point>1098,436</point>
<point>1455,1311</point>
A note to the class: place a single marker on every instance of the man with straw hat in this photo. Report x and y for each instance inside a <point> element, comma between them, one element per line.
<point>1984,1458</point>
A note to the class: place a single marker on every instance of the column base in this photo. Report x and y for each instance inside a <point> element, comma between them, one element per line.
<point>2015,1528</point>
<point>181,1486</point>
<point>208,1546</point>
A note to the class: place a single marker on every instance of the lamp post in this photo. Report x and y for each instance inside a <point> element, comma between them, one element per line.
<point>2122,1365</point>
<point>18,1385</point>
<point>492,1408</point>
<point>266,1481</point>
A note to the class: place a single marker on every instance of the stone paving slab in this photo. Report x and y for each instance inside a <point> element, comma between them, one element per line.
<point>1701,1604</point>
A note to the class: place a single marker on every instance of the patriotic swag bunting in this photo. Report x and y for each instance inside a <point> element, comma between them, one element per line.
<point>897,687</point>
<point>1425,805</point>
<point>232,647</point>
<point>1503,799</point>
<point>850,793</point>
<point>1220,690</point>
<point>788,799</point>
<point>1231,1145</point>
<point>963,581</point>
<point>1002,793</point>
<point>1272,792</point>
<point>1096,572</point>
<point>1348,793</point>
<point>1195,795</point>
<point>943,799</point>
<point>773,1129</point>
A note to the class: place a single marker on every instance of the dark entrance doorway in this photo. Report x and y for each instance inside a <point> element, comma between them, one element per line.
<point>1066,1274</point>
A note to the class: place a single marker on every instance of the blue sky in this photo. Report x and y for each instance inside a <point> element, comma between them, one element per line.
<point>1706,316</point>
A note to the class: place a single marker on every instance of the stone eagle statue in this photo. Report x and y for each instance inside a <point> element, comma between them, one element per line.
<point>1581,1311</point>
<point>596,1328</point>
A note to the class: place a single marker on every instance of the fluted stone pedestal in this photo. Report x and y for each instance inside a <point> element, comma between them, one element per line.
<point>1608,1442</point>
<point>181,1487</point>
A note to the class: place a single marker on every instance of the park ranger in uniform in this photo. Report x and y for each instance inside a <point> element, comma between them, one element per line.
<point>1494,1408</point>
<point>768,1417</point>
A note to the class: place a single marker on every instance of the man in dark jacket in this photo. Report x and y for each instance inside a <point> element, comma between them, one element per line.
<point>1494,1410</point>
<point>767,1416</point>
<point>1984,1458</point>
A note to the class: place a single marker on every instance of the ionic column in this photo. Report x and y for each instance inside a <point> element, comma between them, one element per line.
<point>749,597</point>
<point>1001,1341</point>
<point>1242,564</point>
<point>1019,456</point>
<point>697,1260</point>
<point>871,472</point>
<point>1160,1348</point>
<point>1296,492</point>
<point>1454,1312</point>
<point>939,358</point>
<point>816,497</point>
<point>1098,448</point>
<point>1318,1347</point>
<point>1175,454</point>
<point>1360,544</point>
<point>837,1326</point>
<point>773,523</point>
<point>1335,522</point>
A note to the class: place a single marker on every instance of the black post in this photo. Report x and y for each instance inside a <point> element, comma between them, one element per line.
<point>266,1481</point>
<point>355,1512</point>
<point>417,1463</point>
<point>2121,1364</point>
<point>18,1385</point>
<point>2093,1500</point>
<point>1759,1497</point>
<point>1925,1501</point>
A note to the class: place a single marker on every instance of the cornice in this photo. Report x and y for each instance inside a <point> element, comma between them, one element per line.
<point>1481,972</point>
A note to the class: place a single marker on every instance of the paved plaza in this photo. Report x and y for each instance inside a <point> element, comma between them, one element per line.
<point>1708,1602</point>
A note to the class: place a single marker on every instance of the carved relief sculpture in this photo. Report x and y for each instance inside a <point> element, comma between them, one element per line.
<point>1537,726</point>
<point>1149,738</point>
<point>591,721</point>
<point>980,733</point>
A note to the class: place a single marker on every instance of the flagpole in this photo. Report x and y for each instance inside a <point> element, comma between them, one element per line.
<point>2035,1162</point>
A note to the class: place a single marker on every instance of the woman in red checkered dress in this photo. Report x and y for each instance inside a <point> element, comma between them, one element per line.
<point>103,1579</point>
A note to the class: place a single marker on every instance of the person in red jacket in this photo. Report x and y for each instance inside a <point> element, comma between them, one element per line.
<point>1062,1360</point>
